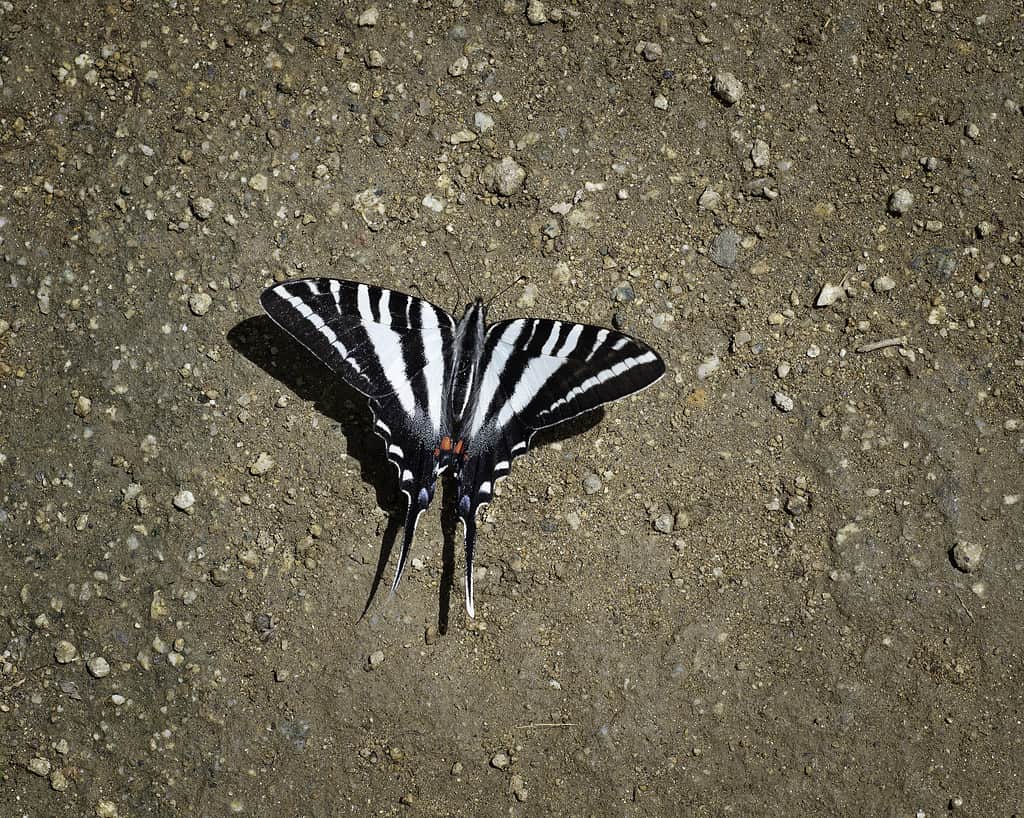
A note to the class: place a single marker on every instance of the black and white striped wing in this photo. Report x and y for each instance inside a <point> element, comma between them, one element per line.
<point>535,373</point>
<point>396,350</point>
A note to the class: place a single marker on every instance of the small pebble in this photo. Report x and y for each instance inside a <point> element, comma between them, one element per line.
<point>261,465</point>
<point>536,13</point>
<point>710,199</point>
<point>83,406</point>
<point>829,295</point>
<point>783,369</point>
<point>106,809</point>
<point>664,523</point>
<point>98,667</point>
<point>883,284</point>
<point>500,761</point>
<point>591,483</point>
<point>649,51</point>
<point>376,659</point>
<point>504,178</point>
<point>368,18</point>
<point>518,787</point>
<point>708,367</point>
<point>58,781</point>
<point>982,230</point>
<point>661,102</point>
<point>258,182</point>
<point>65,652</point>
<point>39,766</point>
<point>760,154</point>
<point>374,59</point>
<point>202,207</point>
<point>184,500</point>
<point>483,121</point>
<point>529,297</point>
<point>783,402</point>
<point>972,131</point>
<point>900,201</point>
<point>459,67</point>
<point>727,88</point>
<point>967,556</point>
<point>200,303</point>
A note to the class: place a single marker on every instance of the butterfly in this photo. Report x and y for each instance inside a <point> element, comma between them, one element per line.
<point>457,395</point>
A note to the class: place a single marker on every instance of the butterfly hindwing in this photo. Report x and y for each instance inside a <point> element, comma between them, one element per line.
<point>396,350</point>
<point>535,373</point>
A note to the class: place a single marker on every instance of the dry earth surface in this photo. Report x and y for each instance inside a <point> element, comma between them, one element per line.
<point>784,581</point>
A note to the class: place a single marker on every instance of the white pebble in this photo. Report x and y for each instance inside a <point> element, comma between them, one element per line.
<point>200,303</point>
<point>829,294</point>
<point>900,201</point>
<point>98,667</point>
<point>261,465</point>
<point>39,766</point>
<point>83,406</point>
<point>727,88</point>
<point>184,500</point>
<point>708,367</point>
<point>376,659</point>
<point>483,121</point>
<point>883,284</point>
<point>369,17</point>
<point>967,556</point>
<point>783,402</point>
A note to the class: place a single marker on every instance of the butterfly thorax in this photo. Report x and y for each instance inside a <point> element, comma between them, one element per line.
<point>461,390</point>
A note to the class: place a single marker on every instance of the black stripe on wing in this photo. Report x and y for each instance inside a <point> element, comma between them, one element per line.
<point>396,350</point>
<point>535,373</point>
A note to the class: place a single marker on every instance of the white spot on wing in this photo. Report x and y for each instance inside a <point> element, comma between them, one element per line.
<point>485,488</point>
<point>396,450</point>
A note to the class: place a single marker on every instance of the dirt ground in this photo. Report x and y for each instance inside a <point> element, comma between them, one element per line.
<point>786,580</point>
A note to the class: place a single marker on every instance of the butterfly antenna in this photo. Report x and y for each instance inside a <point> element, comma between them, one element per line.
<point>455,272</point>
<point>504,290</point>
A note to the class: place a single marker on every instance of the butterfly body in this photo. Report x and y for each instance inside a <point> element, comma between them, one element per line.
<point>462,396</point>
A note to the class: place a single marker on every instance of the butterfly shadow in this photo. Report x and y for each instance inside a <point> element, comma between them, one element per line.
<point>270,348</point>
<point>285,360</point>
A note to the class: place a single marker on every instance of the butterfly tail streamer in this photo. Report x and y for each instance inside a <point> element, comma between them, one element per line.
<point>469,523</point>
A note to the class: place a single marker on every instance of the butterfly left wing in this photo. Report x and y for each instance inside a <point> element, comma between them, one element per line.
<point>535,373</point>
<point>396,350</point>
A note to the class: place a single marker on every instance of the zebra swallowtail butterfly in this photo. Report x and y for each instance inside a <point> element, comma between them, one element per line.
<point>456,394</point>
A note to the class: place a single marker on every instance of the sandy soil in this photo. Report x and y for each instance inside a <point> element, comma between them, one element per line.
<point>740,592</point>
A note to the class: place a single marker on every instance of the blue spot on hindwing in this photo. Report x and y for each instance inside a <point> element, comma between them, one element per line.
<point>424,497</point>
<point>464,504</point>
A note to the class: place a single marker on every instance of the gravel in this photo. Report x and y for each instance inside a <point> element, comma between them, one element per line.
<point>184,500</point>
<point>500,761</point>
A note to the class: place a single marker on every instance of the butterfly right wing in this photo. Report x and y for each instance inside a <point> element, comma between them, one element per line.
<point>396,350</point>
